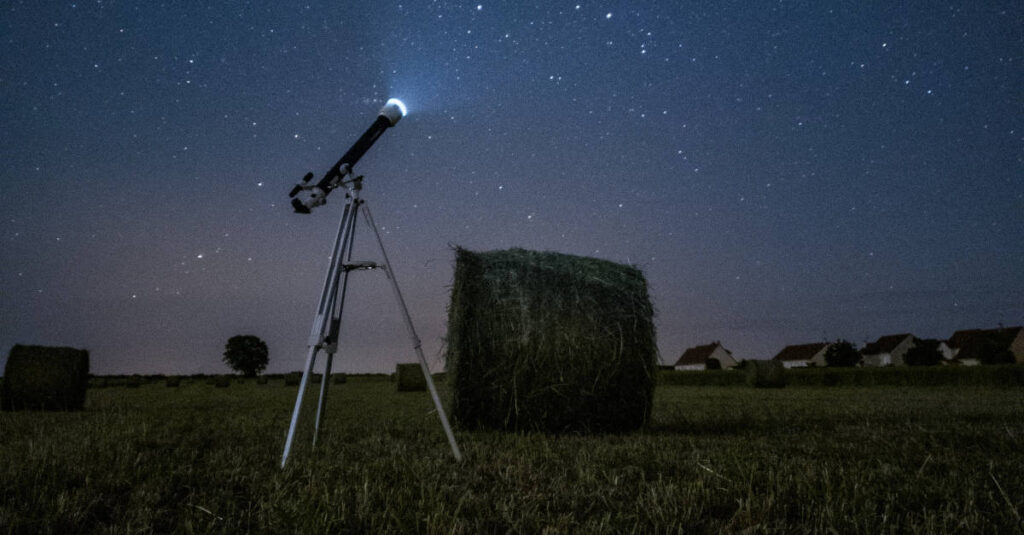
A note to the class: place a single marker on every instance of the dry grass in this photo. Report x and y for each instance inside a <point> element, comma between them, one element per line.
<point>796,460</point>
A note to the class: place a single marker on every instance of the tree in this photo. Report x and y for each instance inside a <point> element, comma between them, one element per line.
<point>924,353</point>
<point>992,350</point>
<point>246,354</point>
<point>842,354</point>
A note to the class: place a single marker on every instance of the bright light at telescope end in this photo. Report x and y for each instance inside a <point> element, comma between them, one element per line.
<point>400,104</point>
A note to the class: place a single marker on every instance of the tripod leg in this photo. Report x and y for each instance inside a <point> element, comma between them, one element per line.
<point>417,345</point>
<point>325,317</point>
<point>336,308</point>
<point>310,360</point>
<point>323,398</point>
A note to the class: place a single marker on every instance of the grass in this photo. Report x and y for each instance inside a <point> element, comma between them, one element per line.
<point>805,459</point>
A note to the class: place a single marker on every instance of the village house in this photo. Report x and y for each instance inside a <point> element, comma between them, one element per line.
<point>803,355</point>
<point>706,357</point>
<point>887,350</point>
<point>970,347</point>
<point>946,351</point>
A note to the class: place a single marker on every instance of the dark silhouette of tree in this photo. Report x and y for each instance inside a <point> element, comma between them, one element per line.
<point>246,354</point>
<point>924,353</point>
<point>992,350</point>
<point>842,354</point>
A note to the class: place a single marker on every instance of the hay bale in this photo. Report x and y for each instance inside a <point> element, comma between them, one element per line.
<point>173,382</point>
<point>222,381</point>
<point>766,374</point>
<point>293,379</point>
<point>340,378</point>
<point>262,380</point>
<point>410,378</point>
<point>133,382</point>
<point>45,378</point>
<point>550,342</point>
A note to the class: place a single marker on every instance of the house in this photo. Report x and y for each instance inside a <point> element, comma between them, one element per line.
<point>978,346</point>
<point>887,350</point>
<point>946,351</point>
<point>706,357</point>
<point>803,355</point>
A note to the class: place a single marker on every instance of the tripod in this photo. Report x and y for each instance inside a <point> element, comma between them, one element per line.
<point>327,323</point>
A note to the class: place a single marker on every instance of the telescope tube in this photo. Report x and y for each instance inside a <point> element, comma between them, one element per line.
<point>389,115</point>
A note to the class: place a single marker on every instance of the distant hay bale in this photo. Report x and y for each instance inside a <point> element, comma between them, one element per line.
<point>133,382</point>
<point>766,374</point>
<point>261,380</point>
<point>410,378</point>
<point>222,381</point>
<point>340,378</point>
<point>45,378</point>
<point>293,379</point>
<point>173,382</point>
<point>549,342</point>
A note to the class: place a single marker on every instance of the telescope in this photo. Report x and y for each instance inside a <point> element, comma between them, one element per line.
<point>327,323</point>
<point>316,194</point>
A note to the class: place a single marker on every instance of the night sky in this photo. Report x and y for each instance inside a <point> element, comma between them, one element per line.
<point>783,172</point>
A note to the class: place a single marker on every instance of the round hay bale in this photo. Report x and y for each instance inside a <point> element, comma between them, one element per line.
<point>173,382</point>
<point>766,374</point>
<point>262,380</point>
<point>45,378</point>
<point>293,379</point>
<point>340,378</point>
<point>549,342</point>
<point>410,378</point>
<point>222,381</point>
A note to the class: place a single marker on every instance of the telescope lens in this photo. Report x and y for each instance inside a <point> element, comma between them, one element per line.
<point>399,103</point>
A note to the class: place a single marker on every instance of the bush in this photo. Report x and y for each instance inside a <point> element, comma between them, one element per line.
<point>924,353</point>
<point>730,377</point>
<point>766,374</point>
<point>410,378</point>
<point>45,378</point>
<point>133,382</point>
<point>842,354</point>
<point>261,380</point>
<point>830,379</point>
<point>1005,376</point>
<point>551,342</point>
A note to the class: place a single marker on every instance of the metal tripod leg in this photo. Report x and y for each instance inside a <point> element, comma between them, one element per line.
<point>323,398</point>
<point>334,329</point>
<point>326,313</point>
<point>416,344</point>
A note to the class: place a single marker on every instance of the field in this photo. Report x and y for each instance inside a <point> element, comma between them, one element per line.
<point>846,459</point>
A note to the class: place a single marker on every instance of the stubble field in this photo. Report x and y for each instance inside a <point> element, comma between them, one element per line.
<point>196,458</point>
